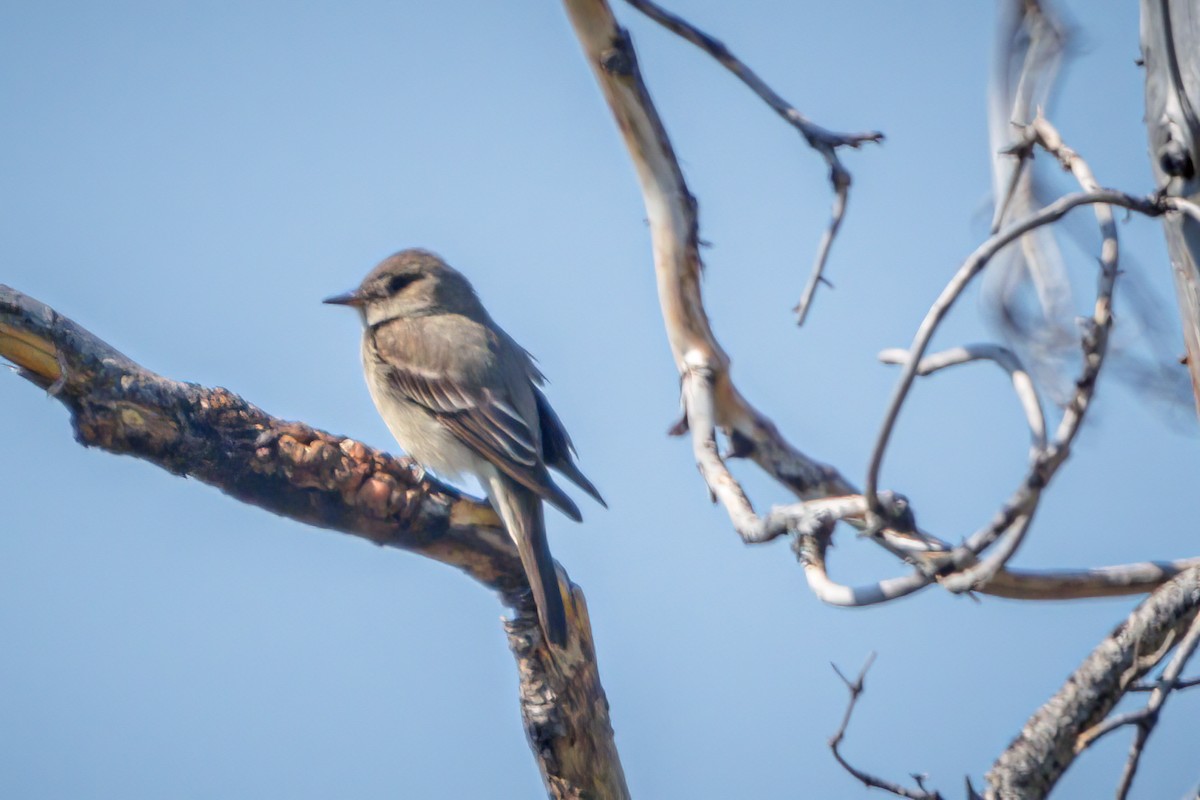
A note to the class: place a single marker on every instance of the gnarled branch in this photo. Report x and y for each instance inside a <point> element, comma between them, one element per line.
<point>311,476</point>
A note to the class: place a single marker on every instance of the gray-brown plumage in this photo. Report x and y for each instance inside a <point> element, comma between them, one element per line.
<point>462,397</point>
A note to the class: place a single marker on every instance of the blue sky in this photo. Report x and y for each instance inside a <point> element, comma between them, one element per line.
<point>189,180</point>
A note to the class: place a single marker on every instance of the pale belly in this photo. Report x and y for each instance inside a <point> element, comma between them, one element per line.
<point>422,436</point>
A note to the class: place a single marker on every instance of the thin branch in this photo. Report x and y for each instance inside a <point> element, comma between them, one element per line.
<point>824,141</point>
<point>1186,683</point>
<point>811,550</point>
<point>1012,522</point>
<point>1113,581</point>
<point>711,400</point>
<point>954,289</point>
<point>712,403</point>
<point>856,688</point>
<point>821,139</point>
<point>1006,359</point>
<point>313,477</point>
<point>1167,684</point>
<point>841,195</point>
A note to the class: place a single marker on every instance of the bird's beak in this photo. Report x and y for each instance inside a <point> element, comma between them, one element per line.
<point>351,298</point>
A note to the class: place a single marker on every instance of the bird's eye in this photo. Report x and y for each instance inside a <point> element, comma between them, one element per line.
<point>398,282</point>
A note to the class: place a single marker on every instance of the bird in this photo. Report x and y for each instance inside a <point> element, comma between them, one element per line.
<point>461,396</point>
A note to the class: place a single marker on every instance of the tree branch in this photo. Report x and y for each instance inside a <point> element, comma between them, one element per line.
<point>299,472</point>
<point>856,687</point>
<point>713,405</point>
<point>1048,744</point>
<point>1171,55</point>
<point>824,141</point>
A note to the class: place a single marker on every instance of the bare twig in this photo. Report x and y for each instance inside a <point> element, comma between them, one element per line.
<point>824,141</point>
<point>1186,683</point>
<point>954,289</point>
<point>711,401</point>
<point>1112,581</point>
<point>811,547</point>
<point>841,194</point>
<point>1013,520</point>
<point>856,688</point>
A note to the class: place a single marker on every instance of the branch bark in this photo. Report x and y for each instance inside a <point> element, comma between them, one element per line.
<point>299,472</point>
<point>1057,732</point>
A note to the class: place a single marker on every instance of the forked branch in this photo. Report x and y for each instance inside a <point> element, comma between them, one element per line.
<point>713,405</point>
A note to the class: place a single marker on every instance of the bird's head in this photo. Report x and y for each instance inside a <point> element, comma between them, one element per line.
<point>411,283</point>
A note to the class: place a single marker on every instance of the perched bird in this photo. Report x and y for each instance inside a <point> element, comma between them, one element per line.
<point>461,396</point>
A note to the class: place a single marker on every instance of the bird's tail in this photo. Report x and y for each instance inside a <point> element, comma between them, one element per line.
<point>525,522</point>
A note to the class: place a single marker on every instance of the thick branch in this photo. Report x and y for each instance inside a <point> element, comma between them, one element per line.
<point>1050,740</point>
<point>1171,54</point>
<point>332,482</point>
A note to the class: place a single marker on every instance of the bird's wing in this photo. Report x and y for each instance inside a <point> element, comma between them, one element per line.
<point>475,409</point>
<point>558,450</point>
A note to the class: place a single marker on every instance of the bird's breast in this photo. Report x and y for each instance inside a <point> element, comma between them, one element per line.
<point>417,430</point>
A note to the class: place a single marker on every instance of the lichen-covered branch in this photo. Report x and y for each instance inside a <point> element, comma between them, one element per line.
<point>311,476</point>
<point>1058,731</point>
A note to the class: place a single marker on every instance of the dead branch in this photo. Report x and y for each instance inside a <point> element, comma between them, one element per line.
<point>713,405</point>
<point>856,688</point>
<point>299,472</point>
<point>711,400</point>
<point>1006,359</point>
<point>824,141</point>
<point>1049,742</point>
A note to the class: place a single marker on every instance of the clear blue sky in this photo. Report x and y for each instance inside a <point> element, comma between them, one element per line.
<point>189,180</point>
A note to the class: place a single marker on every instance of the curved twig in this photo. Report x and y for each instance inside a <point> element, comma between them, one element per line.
<point>811,549</point>
<point>711,400</point>
<point>856,688</point>
<point>954,289</point>
<point>824,141</point>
